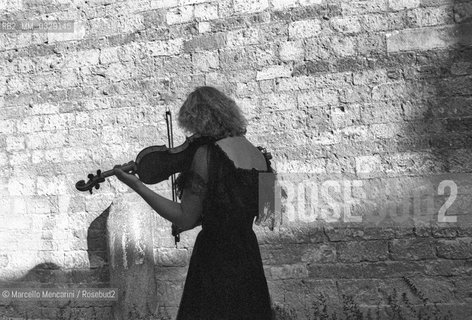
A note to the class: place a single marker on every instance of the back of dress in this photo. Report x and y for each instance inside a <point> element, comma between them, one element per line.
<point>225,278</point>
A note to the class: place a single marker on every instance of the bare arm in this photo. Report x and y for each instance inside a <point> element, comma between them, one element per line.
<point>186,214</point>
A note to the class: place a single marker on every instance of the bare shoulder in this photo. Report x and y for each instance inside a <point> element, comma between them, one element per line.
<point>243,153</point>
<point>230,144</point>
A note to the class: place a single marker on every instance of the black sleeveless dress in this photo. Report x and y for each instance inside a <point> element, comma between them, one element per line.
<point>225,278</point>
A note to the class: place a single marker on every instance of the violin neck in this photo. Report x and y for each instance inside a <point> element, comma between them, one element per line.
<point>129,167</point>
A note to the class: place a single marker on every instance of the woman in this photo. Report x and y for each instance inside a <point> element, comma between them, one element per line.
<point>225,278</point>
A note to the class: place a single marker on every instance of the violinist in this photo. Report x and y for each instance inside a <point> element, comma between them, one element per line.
<point>219,190</point>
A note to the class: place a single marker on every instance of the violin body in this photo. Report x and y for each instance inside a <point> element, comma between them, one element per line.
<point>158,163</point>
<point>153,164</point>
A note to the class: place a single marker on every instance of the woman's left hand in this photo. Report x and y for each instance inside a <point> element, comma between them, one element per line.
<point>129,179</point>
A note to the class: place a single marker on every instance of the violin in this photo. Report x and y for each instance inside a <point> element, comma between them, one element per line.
<point>153,164</point>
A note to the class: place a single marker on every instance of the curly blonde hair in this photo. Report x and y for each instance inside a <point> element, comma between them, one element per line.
<point>209,112</point>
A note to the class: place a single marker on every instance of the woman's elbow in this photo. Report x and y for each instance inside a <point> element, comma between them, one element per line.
<point>189,220</point>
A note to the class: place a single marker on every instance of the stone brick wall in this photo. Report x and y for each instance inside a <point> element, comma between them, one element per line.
<point>376,93</point>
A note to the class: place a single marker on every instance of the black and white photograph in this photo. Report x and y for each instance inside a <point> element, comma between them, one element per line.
<point>236,159</point>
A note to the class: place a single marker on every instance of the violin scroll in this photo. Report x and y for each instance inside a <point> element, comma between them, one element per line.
<point>95,180</point>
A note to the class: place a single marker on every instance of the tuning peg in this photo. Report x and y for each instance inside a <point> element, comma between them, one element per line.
<point>90,176</point>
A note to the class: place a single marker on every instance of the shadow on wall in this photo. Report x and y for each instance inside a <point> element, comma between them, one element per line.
<point>50,275</point>
<point>429,98</point>
<point>448,120</point>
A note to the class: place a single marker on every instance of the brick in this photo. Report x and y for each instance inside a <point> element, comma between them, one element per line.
<point>188,2</point>
<point>180,15</point>
<point>418,162</point>
<point>165,48</point>
<point>161,4</point>
<point>428,38</point>
<point>171,273</point>
<point>426,17</point>
<point>283,4</point>
<point>15,143</point>
<point>364,291</point>
<point>362,251</point>
<point>204,27</point>
<point>108,55</point>
<point>206,61</point>
<point>444,267</point>
<point>273,33</point>
<point>433,3</point>
<point>310,2</point>
<point>291,50</point>
<point>367,165</point>
<point>456,87</point>
<point>246,90</point>
<point>137,51</point>
<point>385,130</point>
<point>81,59</point>
<point>17,84</point>
<point>119,71</point>
<point>243,37</point>
<point>26,65</point>
<point>363,7</point>
<point>206,12</point>
<point>247,58</point>
<point>346,25</point>
<point>462,12</point>
<point>51,185</point>
<point>366,77</point>
<point>304,29</point>
<point>7,126</point>
<point>44,108</point>
<point>21,186</point>
<point>383,22</point>
<point>45,140</point>
<point>459,248</point>
<point>364,270</point>
<point>272,72</point>
<point>390,91</point>
<point>403,4</point>
<point>320,253</point>
<point>19,158</point>
<point>250,6</point>
<point>58,121</point>
<point>279,101</point>
<point>374,43</point>
<point>329,47</point>
<point>11,5</point>
<point>318,98</point>
<point>412,249</point>
<point>344,116</point>
<point>289,271</point>
<point>296,83</point>
<point>206,42</point>
<point>49,156</point>
<point>170,257</point>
